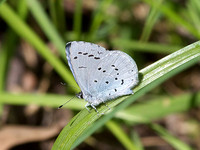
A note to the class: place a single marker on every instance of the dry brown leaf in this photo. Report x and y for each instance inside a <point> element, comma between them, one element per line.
<point>12,135</point>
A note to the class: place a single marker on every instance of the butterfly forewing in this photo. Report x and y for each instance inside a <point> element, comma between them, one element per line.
<point>83,57</point>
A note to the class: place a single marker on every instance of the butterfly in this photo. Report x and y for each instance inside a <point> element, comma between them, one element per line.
<point>101,74</point>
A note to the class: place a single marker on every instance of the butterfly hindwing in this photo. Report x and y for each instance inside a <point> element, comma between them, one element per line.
<point>115,75</point>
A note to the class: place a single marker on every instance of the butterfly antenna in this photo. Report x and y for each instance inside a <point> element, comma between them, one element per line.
<point>65,103</point>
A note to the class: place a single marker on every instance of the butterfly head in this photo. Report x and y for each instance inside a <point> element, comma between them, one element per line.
<point>80,95</point>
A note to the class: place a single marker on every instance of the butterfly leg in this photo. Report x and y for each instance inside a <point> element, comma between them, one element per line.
<point>96,109</point>
<point>106,105</point>
<point>86,106</point>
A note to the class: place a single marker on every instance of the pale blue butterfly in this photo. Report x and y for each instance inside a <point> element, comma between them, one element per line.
<point>101,74</point>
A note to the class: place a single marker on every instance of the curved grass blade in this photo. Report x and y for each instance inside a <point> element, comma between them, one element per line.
<point>57,14</point>
<point>167,105</point>
<point>144,46</point>
<point>99,16</point>
<point>134,114</point>
<point>9,43</point>
<point>121,135</point>
<point>152,18</point>
<point>51,100</point>
<point>176,143</point>
<point>85,123</point>
<point>78,19</point>
<point>137,140</point>
<point>174,17</point>
<point>47,26</point>
<point>30,36</point>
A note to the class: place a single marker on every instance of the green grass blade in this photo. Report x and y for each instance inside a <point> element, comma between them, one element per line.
<point>176,143</point>
<point>120,135</point>
<point>150,21</point>
<point>26,33</point>
<point>47,26</point>
<point>51,100</point>
<point>167,105</point>
<point>84,123</point>
<point>137,140</point>
<point>194,12</point>
<point>78,19</point>
<point>144,47</point>
<point>134,114</point>
<point>9,44</point>
<point>5,55</point>
<point>52,11</point>
<point>99,16</point>
<point>22,9</point>
<point>1,1</point>
<point>175,18</point>
<point>58,15</point>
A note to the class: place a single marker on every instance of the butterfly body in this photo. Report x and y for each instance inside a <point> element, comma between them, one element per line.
<point>101,74</point>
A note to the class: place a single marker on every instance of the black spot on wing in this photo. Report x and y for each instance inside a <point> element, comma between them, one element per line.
<point>107,82</point>
<point>90,55</point>
<point>99,68</point>
<point>96,57</point>
<point>75,57</point>
<point>79,52</point>
<point>122,82</point>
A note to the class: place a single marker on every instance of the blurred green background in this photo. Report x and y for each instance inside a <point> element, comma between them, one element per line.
<point>33,67</point>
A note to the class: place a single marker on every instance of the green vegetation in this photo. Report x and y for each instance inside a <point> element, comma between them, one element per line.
<point>162,37</point>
